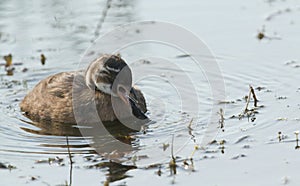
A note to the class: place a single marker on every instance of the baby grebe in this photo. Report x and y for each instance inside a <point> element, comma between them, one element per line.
<point>56,98</point>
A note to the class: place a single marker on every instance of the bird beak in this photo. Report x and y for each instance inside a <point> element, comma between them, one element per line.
<point>123,94</point>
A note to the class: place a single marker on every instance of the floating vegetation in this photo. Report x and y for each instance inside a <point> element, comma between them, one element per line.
<point>238,156</point>
<point>135,158</point>
<point>262,35</point>
<point>4,83</point>
<point>242,139</point>
<point>10,71</point>
<point>279,136</point>
<point>144,61</point>
<point>246,147</point>
<point>116,171</point>
<point>8,60</point>
<point>8,65</point>
<point>183,56</point>
<point>260,88</point>
<point>151,166</point>
<point>190,130</point>
<point>10,167</point>
<point>172,164</point>
<point>190,124</point>
<point>159,172</point>
<point>221,120</point>
<point>2,166</point>
<point>70,159</point>
<point>208,157</point>
<point>189,165</point>
<point>281,97</point>
<point>276,13</point>
<point>43,59</point>
<point>226,102</point>
<point>281,119</point>
<point>196,147</point>
<point>211,151</point>
<point>213,142</point>
<point>33,178</point>
<point>222,143</point>
<point>24,69</point>
<point>293,63</point>
<point>249,112</point>
<point>165,146</point>
<point>50,161</point>
<point>297,140</point>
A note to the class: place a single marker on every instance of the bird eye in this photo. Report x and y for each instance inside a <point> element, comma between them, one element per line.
<point>121,89</point>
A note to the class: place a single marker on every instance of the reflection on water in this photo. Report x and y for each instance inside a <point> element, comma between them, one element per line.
<point>116,129</point>
<point>55,129</point>
<point>57,29</point>
<point>116,171</point>
<point>62,30</point>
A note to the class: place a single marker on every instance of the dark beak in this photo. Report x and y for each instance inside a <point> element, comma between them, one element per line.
<point>136,111</point>
<point>124,96</point>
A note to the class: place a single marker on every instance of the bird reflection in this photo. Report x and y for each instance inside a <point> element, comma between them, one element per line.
<point>106,142</point>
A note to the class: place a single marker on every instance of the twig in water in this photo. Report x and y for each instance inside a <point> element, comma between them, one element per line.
<point>189,166</point>
<point>190,130</point>
<point>172,147</point>
<point>195,149</point>
<point>250,113</point>
<point>190,124</point>
<point>69,152</point>
<point>254,96</point>
<point>8,60</point>
<point>297,140</point>
<point>279,136</point>
<point>222,142</point>
<point>262,35</point>
<point>221,120</point>
<point>102,19</point>
<point>172,163</point>
<point>248,101</point>
<point>71,162</point>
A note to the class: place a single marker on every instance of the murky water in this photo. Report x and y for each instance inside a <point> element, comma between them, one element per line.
<point>63,31</point>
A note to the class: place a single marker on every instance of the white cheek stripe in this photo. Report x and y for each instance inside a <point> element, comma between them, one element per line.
<point>113,69</point>
<point>106,88</point>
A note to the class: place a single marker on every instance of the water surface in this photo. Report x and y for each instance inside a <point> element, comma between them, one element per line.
<point>64,30</point>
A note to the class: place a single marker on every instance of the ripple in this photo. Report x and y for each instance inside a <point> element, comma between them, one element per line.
<point>6,38</point>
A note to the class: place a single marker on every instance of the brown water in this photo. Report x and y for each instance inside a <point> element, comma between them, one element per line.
<point>64,30</point>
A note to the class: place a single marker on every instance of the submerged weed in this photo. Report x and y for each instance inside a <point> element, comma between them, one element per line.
<point>297,140</point>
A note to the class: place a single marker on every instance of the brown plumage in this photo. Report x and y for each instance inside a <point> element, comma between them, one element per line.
<point>56,98</point>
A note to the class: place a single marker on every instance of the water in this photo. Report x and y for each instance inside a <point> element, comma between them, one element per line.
<point>64,30</point>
